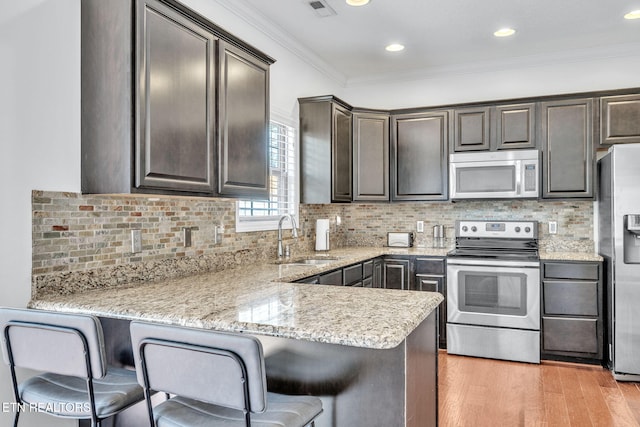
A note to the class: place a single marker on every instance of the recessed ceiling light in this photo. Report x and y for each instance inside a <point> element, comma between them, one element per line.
<point>357,2</point>
<point>394,47</point>
<point>634,14</point>
<point>504,32</point>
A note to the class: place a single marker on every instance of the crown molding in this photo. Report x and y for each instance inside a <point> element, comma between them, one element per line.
<point>251,16</point>
<point>575,56</point>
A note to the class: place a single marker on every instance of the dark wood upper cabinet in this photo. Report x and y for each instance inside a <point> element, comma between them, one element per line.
<point>419,151</point>
<point>515,126</point>
<point>370,156</point>
<point>168,106</point>
<point>471,130</point>
<point>567,148</point>
<point>620,119</point>
<point>496,127</point>
<point>175,124</point>
<point>341,162</point>
<point>243,164</point>
<point>325,150</point>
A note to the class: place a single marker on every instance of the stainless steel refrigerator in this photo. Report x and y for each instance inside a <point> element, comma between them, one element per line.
<point>619,243</point>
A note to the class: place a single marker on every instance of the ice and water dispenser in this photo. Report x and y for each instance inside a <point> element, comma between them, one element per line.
<point>631,233</point>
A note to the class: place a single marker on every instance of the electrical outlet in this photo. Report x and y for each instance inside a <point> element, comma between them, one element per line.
<point>136,241</point>
<point>420,226</point>
<point>553,227</point>
<point>187,236</point>
<point>218,232</point>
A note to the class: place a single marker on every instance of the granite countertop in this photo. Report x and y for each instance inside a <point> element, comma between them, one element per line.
<point>570,256</point>
<point>260,299</point>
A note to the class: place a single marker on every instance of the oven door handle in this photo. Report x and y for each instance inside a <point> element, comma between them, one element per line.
<point>493,263</point>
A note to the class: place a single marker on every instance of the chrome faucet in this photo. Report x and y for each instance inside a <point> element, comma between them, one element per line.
<point>294,232</point>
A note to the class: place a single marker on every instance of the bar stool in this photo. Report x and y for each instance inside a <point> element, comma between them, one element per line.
<point>217,378</point>
<point>69,349</point>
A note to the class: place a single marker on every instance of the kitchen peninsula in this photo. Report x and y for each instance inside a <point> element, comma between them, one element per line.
<point>388,337</point>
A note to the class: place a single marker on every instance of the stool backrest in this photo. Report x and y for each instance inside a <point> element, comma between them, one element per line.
<point>53,342</point>
<point>204,365</point>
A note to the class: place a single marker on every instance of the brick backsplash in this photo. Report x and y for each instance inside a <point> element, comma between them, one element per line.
<point>367,224</point>
<point>88,237</point>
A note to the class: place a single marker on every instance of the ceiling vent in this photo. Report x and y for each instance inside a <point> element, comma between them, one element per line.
<point>321,8</point>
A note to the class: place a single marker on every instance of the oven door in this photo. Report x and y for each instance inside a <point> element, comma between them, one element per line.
<point>494,179</point>
<point>495,293</point>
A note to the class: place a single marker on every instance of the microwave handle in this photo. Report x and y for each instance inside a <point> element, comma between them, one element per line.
<point>519,177</point>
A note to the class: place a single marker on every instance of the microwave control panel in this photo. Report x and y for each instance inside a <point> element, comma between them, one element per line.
<point>530,177</point>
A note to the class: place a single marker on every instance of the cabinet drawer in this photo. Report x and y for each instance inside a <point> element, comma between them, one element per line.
<point>570,335</point>
<point>430,266</point>
<point>332,278</point>
<point>367,269</point>
<point>570,297</point>
<point>425,282</point>
<point>564,270</point>
<point>351,274</point>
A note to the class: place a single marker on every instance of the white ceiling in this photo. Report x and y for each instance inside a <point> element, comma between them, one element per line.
<point>444,35</point>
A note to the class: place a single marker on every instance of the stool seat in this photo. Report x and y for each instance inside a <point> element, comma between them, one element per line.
<point>67,396</point>
<point>283,411</point>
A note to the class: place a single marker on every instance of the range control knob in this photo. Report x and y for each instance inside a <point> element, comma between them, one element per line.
<point>527,229</point>
<point>465,228</point>
<point>517,229</point>
<point>474,228</point>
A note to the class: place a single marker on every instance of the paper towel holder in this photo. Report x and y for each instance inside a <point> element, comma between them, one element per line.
<point>322,235</point>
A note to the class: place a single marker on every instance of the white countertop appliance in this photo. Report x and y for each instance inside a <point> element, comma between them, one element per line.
<point>493,291</point>
<point>619,243</point>
<point>512,174</point>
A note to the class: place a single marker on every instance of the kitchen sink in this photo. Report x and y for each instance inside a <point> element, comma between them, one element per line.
<point>307,261</point>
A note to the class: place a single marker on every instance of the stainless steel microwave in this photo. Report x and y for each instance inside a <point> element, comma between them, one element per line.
<point>513,174</point>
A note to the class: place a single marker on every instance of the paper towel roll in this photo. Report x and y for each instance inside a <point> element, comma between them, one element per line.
<point>322,235</point>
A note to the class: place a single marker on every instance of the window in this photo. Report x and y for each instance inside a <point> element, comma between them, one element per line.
<point>253,215</point>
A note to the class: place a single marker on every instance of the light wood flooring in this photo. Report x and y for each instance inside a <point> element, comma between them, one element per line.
<point>480,392</point>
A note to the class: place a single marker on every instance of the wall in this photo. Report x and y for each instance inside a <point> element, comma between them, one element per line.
<point>84,241</point>
<point>367,224</point>
<point>40,137</point>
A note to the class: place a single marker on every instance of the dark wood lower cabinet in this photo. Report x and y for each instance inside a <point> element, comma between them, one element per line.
<point>430,276</point>
<point>572,311</point>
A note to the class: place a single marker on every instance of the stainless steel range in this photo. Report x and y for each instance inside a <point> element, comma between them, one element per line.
<point>493,291</point>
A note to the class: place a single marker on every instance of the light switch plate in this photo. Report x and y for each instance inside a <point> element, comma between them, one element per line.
<point>420,226</point>
<point>553,227</point>
<point>136,241</point>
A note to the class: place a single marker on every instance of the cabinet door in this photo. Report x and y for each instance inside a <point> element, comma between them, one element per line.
<point>567,149</point>
<point>396,274</point>
<point>435,283</point>
<point>175,95</point>
<point>419,150</point>
<point>352,274</point>
<point>341,162</point>
<point>243,167</point>
<point>370,156</point>
<point>620,119</point>
<point>471,129</point>
<point>515,126</point>
<point>377,273</point>
<point>331,278</point>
